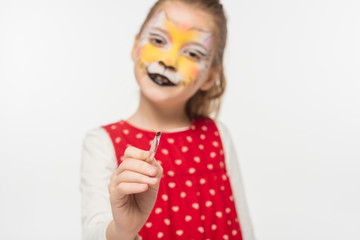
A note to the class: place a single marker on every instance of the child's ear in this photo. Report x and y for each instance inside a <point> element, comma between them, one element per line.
<point>134,48</point>
<point>214,74</point>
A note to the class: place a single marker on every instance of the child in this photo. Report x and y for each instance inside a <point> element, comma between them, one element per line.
<point>193,189</point>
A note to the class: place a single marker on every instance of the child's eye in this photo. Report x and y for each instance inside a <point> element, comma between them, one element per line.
<point>194,55</point>
<point>157,40</point>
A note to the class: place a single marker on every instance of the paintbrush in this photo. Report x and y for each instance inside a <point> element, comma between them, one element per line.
<point>154,147</point>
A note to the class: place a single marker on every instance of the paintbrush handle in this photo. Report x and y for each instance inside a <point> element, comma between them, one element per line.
<point>154,147</point>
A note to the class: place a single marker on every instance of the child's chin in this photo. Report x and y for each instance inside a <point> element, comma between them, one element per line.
<point>159,95</point>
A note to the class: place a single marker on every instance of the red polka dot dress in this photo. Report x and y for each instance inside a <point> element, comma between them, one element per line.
<point>195,199</point>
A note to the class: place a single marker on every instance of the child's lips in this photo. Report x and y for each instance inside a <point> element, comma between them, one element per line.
<point>160,79</point>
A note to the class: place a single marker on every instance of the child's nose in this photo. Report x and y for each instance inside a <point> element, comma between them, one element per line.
<point>171,58</point>
<point>166,66</point>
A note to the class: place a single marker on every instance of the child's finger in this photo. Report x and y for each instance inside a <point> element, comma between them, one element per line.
<point>133,152</point>
<point>159,167</point>
<point>134,177</point>
<point>150,158</point>
<point>138,166</point>
<point>126,188</point>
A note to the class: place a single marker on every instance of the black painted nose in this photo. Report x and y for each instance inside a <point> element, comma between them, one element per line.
<point>171,68</point>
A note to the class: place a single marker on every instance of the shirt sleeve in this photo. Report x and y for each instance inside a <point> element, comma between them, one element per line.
<point>233,169</point>
<point>97,165</point>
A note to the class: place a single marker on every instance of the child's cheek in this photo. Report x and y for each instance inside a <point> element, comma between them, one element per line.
<point>149,53</point>
<point>190,71</point>
<point>139,52</point>
<point>195,72</point>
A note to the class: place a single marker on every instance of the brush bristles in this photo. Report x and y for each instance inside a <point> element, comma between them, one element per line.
<point>158,134</point>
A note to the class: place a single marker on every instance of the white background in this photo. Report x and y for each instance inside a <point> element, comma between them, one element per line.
<point>292,105</point>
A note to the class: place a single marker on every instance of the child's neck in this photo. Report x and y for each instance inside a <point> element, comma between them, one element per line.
<point>150,116</point>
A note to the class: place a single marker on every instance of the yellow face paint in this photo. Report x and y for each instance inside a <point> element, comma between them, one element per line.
<point>173,53</point>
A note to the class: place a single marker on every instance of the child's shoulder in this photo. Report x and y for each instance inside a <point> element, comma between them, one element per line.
<point>113,125</point>
<point>100,133</point>
<point>204,123</point>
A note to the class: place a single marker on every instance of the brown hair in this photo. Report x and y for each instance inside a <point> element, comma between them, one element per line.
<point>205,103</point>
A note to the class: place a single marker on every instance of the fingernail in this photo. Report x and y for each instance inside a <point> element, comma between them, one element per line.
<point>152,170</point>
<point>153,180</point>
<point>142,186</point>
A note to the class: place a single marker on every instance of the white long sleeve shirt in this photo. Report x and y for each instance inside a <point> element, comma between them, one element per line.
<point>98,164</point>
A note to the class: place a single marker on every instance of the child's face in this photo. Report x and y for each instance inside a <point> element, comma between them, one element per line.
<point>174,52</point>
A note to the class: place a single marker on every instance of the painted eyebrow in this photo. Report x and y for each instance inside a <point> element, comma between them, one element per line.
<point>163,31</point>
<point>204,52</point>
<point>157,35</point>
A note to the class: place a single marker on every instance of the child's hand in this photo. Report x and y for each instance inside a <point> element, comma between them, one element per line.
<point>133,191</point>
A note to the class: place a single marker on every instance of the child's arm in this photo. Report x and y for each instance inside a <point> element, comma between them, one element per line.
<point>98,162</point>
<point>98,165</point>
<point>233,169</point>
